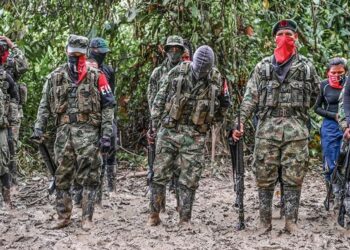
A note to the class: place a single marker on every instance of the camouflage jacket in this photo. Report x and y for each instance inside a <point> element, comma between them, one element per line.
<point>16,64</point>
<point>282,108</point>
<point>154,82</point>
<point>183,100</point>
<point>68,103</point>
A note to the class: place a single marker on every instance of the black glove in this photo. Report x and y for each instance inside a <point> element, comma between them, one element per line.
<point>37,135</point>
<point>105,144</point>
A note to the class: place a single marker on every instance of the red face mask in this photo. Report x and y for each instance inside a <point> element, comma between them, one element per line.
<point>285,48</point>
<point>335,80</point>
<point>81,67</point>
<point>4,56</point>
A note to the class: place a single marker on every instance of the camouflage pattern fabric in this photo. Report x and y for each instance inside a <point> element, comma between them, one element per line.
<point>181,141</point>
<point>184,146</point>
<point>270,155</point>
<point>4,152</point>
<point>341,112</point>
<point>16,63</point>
<point>77,143</point>
<point>282,131</point>
<point>155,80</point>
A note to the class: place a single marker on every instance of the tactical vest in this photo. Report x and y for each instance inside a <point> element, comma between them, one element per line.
<point>192,105</point>
<point>76,103</point>
<point>289,98</point>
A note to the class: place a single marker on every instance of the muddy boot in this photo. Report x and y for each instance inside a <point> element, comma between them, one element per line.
<point>6,194</point>
<point>13,172</point>
<point>6,191</point>
<point>265,211</point>
<point>77,195</point>
<point>88,202</point>
<point>110,169</point>
<point>186,198</point>
<point>156,203</point>
<point>63,208</point>
<point>336,194</point>
<point>292,198</point>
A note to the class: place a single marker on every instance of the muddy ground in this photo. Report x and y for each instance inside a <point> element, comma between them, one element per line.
<point>121,223</point>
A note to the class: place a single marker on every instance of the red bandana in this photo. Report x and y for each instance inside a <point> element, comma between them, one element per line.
<point>81,67</point>
<point>285,48</point>
<point>3,58</point>
<point>334,81</point>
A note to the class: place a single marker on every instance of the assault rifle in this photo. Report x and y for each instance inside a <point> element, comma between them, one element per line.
<point>339,163</point>
<point>282,211</point>
<point>344,189</point>
<point>151,154</point>
<point>49,163</point>
<point>236,150</point>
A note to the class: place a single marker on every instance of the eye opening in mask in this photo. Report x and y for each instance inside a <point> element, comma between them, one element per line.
<point>174,48</point>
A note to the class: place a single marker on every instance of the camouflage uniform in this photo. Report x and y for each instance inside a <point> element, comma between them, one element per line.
<point>282,133</point>
<point>156,78</point>
<point>8,115</point>
<point>185,108</point>
<point>16,65</point>
<point>159,72</point>
<point>82,110</point>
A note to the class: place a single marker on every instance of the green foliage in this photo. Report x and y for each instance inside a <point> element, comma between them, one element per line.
<point>238,30</point>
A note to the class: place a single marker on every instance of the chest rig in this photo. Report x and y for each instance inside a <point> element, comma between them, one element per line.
<point>192,104</point>
<point>75,103</point>
<point>292,97</point>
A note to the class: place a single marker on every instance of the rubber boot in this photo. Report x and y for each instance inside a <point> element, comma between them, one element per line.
<point>336,193</point>
<point>292,198</point>
<point>156,203</point>
<point>265,211</point>
<point>99,191</point>
<point>13,172</point>
<point>6,190</point>
<point>77,195</point>
<point>6,194</point>
<point>63,208</point>
<point>186,198</point>
<point>110,169</point>
<point>88,203</point>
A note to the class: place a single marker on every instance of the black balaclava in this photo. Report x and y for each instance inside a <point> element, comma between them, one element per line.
<point>203,61</point>
<point>98,57</point>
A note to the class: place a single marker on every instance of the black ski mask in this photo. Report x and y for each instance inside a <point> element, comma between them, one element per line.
<point>98,57</point>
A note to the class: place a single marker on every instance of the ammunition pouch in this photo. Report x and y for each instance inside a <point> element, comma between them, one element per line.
<point>94,120</point>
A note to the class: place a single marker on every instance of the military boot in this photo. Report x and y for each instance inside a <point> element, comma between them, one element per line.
<point>292,198</point>
<point>77,195</point>
<point>6,194</point>
<point>110,169</point>
<point>88,202</point>
<point>265,210</point>
<point>99,190</point>
<point>13,172</point>
<point>156,203</point>
<point>63,208</point>
<point>186,198</point>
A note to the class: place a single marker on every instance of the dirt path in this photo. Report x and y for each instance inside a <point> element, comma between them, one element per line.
<point>121,224</point>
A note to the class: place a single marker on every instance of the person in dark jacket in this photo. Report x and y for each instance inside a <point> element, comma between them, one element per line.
<point>327,106</point>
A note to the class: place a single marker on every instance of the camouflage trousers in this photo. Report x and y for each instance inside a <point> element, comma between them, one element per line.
<point>77,155</point>
<point>4,152</point>
<point>179,151</point>
<point>270,155</point>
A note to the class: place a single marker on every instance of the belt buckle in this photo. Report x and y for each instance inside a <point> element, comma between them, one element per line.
<point>284,112</point>
<point>72,118</point>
